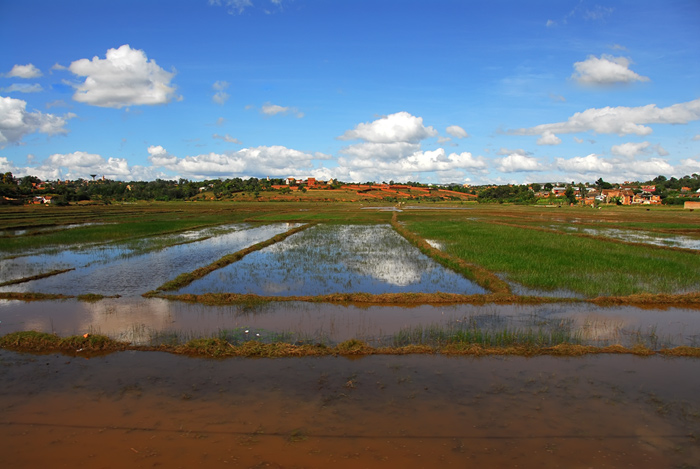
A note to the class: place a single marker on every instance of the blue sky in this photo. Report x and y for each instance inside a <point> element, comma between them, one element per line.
<point>432,91</point>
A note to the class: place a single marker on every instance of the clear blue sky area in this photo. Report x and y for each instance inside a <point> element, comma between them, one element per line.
<point>431,91</point>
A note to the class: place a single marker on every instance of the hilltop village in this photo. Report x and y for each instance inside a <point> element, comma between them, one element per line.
<point>32,190</point>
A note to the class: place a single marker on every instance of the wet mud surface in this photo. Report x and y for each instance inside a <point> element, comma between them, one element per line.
<point>150,409</point>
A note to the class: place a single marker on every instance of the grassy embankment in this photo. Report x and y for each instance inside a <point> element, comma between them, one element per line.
<point>558,261</point>
<point>39,342</point>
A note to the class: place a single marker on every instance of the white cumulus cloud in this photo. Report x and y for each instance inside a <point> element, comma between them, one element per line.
<point>516,162</point>
<point>632,149</point>
<point>16,121</point>
<point>548,138</point>
<point>606,70</point>
<point>619,120</point>
<point>80,164</point>
<point>381,151</point>
<point>24,71</point>
<point>275,161</point>
<point>585,164</point>
<point>399,127</point>
<point>125,77</point>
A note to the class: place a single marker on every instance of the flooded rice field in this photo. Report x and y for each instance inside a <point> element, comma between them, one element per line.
<point>42,229</point>
<point>131,269</point>
<point>634,236</point>
<point>154,409</point>
<point>158,321</point>
<point>146,409</point>
<point>335,259</point>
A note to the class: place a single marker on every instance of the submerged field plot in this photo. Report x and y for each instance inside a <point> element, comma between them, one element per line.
<point>130,269</point>
<point>328,259</point>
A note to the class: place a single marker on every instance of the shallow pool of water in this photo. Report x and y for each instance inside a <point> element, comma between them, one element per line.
<point>336,259</point>
<point>645,237</point>
<point>141,409</point>
<point>118,271</point>
<point>154,321</point>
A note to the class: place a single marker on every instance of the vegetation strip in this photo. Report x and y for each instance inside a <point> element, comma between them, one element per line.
<point>34,277</point>
<point>481,276</point>
<point>28,296</point>
<point>597,237</point>
<point>185,279</point>
<point>32,296</point>
<point>402,299</point>
<point>91,344</point>
<point>686,300</point>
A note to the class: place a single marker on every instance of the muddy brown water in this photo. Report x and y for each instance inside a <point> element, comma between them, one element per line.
<point>150,409</point>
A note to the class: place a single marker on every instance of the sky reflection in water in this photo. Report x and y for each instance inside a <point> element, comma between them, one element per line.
<point>336,259</point>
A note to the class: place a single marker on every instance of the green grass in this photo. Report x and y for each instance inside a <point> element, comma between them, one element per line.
<point>439,335</point>
<point>122,223</point>
<point>557,261</point>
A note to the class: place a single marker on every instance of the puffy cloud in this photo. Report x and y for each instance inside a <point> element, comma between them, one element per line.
<point>688,166</point>
<point>619,120</point>
<point>645,169</point>
<point>80,164</point>
<point>125,77</point>
<point>606,70</point>
<point>696,138</point>
<point>516,162</point>
<point>382,151</point>
<point>622,169</point>
<point>457,131</point>
<point>447,167</point>
<point>77,159</point>
<point>16,122</point>
<point>24,71</point>
<point>548,138</point>
<point>585,164</point>
<point>23,88</point>
<point>631,149</point>
<point>158,156</point>
<point>221,96</point>
<point>273,109</point>
<point>227,138</point>
<point>399,127</point>
<point>272,161</point>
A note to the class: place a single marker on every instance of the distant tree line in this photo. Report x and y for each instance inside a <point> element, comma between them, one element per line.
<point>670,190</point>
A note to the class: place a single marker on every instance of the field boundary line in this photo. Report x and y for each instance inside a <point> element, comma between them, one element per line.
<point>483,277</point>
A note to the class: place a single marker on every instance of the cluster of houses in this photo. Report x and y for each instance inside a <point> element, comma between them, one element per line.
<point>625,194</point>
